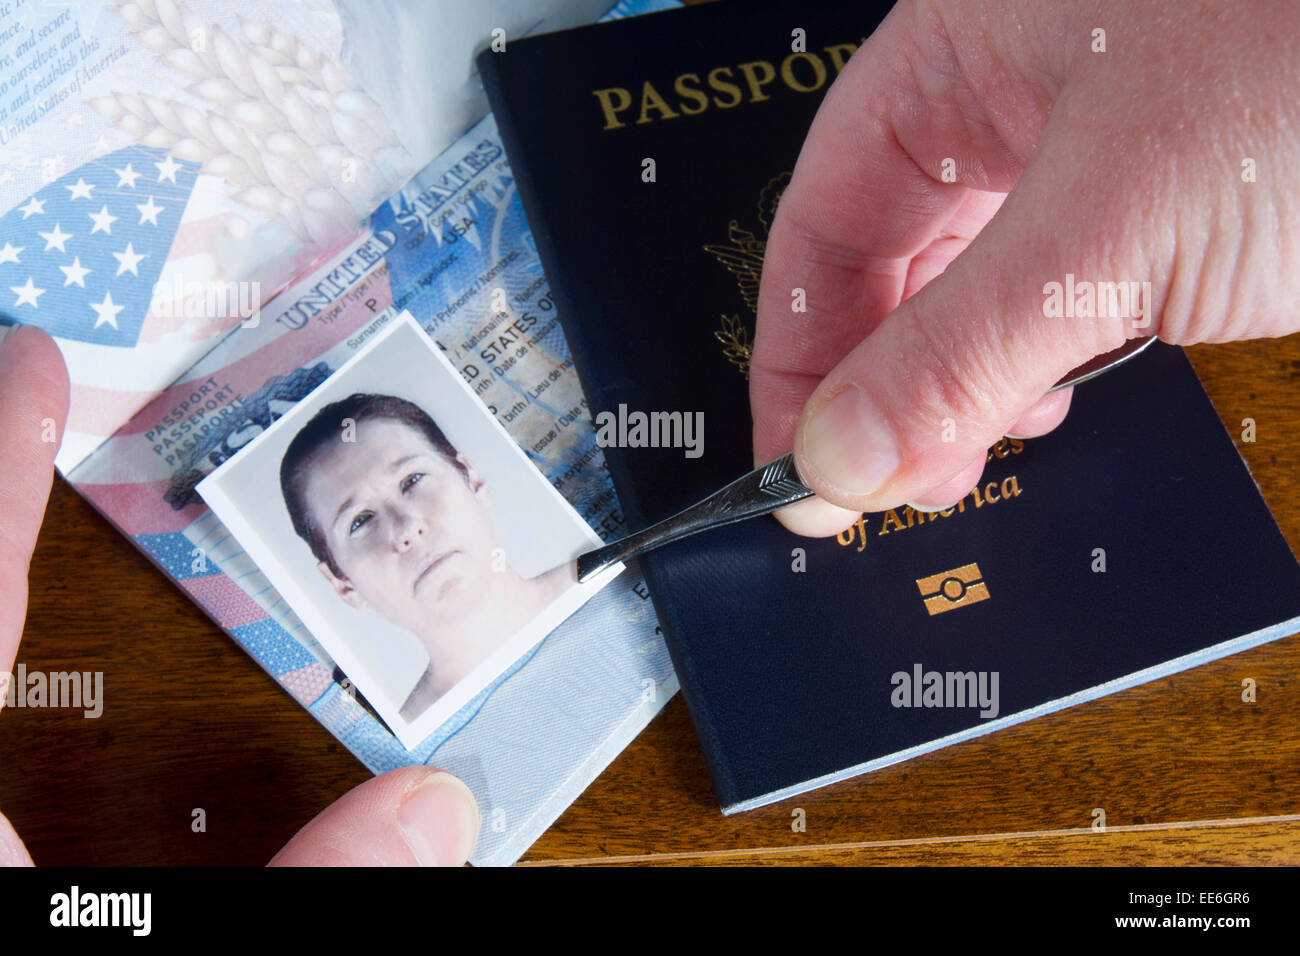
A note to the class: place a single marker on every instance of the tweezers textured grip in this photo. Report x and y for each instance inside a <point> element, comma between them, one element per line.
<point>763,490</point>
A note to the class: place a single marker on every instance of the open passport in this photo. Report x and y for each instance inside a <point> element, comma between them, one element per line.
<point>213,209</point>
<point>1128,544</point>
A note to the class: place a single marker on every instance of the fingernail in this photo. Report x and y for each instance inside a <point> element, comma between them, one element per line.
<point>439,821</point>
<point>915,507</point>
<point>849,444</point>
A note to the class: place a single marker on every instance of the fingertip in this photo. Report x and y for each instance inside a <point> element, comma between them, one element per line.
<point>12,850</point>
<point>949,492</point>
<point>33,412</point>
<point>32,371</point>
<point>1043,416</point>
<point>34,346</point>
<point>816,518</point>
<point>412,816</point>
<point>439,819</point>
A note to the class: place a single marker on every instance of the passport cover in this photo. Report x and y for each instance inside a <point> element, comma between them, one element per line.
<point>1128,544</point>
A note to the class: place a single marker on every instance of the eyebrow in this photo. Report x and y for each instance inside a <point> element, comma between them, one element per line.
<point>347,502</point>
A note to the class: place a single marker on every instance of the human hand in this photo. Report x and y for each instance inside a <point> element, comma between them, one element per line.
<point>407,816</point>
<point>1166,157</point>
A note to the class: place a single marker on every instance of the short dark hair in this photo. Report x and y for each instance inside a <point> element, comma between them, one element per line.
<point>322,430</point>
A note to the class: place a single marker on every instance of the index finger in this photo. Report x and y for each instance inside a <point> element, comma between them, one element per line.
<point>871,212</point>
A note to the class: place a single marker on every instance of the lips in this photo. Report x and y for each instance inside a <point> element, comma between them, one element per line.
<point>430,568</point>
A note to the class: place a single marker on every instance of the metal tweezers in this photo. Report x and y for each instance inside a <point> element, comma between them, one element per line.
<point>775,485</point>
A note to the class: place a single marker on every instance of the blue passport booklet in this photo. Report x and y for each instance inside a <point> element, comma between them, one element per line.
<point>1129,544</point>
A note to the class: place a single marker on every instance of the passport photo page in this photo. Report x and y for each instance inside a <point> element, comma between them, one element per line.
<point>408,532</point>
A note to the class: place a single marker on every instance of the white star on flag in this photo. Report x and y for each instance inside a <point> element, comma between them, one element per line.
<point>27,293</point>
<point>76,273</point>
<point>127,177</point>
<point>129,260</point>
<point>106,311</point>
<point>55,239</point>
<point>168,169</point>
<point>134,224</point>
<point>103,221</point>
<point>149,212</point>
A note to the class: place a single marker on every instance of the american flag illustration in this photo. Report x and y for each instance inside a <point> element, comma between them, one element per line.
<point>81,256</point>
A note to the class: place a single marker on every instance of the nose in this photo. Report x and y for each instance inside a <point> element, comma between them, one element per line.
<point>408,530</point>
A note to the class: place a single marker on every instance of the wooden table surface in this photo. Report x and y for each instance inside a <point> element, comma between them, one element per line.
<point>1185,771</point>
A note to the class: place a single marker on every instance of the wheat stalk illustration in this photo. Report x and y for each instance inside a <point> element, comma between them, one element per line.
<point>281,122</point>
<point>733,334</point>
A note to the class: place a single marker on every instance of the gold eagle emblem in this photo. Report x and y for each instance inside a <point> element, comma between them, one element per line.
<point>743,258</point>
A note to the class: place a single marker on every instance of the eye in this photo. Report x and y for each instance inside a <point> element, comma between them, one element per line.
<point>410,480</point>
<point>359,522</point>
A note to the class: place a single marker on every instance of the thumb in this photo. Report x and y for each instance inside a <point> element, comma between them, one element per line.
<point>33,408</point>
<point>12,851</point>
<point>414,816</point>
<point>908,414</point>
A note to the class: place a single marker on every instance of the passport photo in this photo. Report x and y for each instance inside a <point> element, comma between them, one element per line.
<point>407,531</point>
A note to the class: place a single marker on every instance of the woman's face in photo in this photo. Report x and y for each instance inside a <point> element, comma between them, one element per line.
<point>409,530</point>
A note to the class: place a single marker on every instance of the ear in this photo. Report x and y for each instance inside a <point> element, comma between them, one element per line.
<point>344,588</point>
<point>476,482</point>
